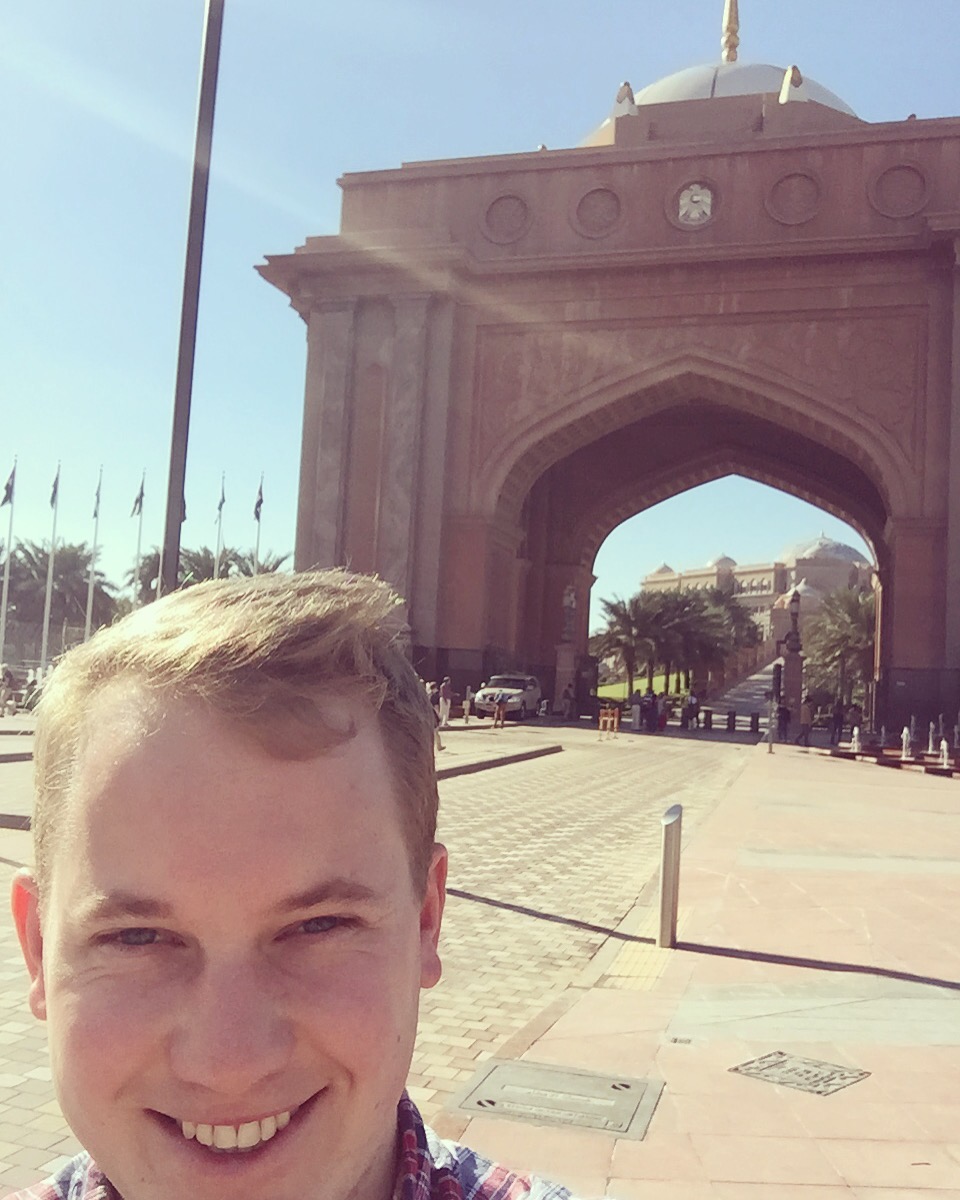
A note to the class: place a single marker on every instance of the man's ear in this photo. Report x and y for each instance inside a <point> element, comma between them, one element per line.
<point>431,914</point>
<point>25,900</point>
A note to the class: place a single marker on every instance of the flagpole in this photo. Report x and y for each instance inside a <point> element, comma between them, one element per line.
<point>256,513</point>
<point>206,102</point>
<point>216,561</point>
<point>6,567</point>
<point>138,505</point>
<point>48,596</point>
<point>88,622</point>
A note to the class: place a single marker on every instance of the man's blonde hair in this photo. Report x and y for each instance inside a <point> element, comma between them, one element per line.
<point>269,654</point>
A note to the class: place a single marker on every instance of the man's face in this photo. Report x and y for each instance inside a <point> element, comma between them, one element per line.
<point>231,943</point>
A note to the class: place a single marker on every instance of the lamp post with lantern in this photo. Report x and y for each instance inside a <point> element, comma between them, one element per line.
<point>791,649</point>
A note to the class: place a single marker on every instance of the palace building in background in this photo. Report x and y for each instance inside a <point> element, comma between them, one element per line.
<point>814,568</point>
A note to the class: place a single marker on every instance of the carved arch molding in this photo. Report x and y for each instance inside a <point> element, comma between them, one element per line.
<point>853,384</point>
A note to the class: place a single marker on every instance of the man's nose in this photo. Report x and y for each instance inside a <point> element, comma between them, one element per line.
<point>233,1030</point>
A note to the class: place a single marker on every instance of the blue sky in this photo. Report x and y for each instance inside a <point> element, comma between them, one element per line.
<point>98,103</point>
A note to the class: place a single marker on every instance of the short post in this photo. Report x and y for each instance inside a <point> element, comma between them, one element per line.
<point>944,754</point>
<point>770,718</point>
<point>931,749</point>
<point>855,740</point>
<point>671,825</point>
<point>905,745</point>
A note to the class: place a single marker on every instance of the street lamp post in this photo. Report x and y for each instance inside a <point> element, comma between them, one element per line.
<point>792,651</point>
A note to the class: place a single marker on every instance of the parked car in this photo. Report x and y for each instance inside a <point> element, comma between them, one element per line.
<point>522,693</point>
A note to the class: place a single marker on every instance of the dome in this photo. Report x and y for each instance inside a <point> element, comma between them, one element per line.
<point>734,79</point>
<point>664,569</point>
<point>723,561</point>
<point>824,548</point>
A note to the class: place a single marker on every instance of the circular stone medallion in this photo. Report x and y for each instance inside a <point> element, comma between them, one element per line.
<point>597,213</point>
<point>506,219</point>
<point>794,198</point>
<point>899,191</point>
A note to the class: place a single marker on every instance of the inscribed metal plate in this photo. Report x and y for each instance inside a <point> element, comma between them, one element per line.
<point>804,1074</point>
<point>548,1095</point>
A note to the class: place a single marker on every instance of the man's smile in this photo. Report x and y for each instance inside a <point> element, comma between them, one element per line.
<point>238,1137</point>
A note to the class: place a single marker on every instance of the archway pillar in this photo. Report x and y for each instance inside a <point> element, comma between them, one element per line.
<point>913,679</point>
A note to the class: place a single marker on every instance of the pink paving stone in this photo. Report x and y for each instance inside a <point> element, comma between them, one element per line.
<point>763,1159</point>
<point>892,1164</point>
<point>551,1151</point>
<point>860,1121</point>
<point>611,1055</point>
<point>662,1156</point>
<point>660,1189</point>
<point>781,1191</point>
<point>761,1116</point>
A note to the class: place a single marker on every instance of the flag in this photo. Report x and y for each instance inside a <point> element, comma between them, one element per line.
<point>8,487</point>
<point>222,497</point>
<point>96,502</point>
<point>138,501</point>
<point>55,489</point>
<point>259,504</point>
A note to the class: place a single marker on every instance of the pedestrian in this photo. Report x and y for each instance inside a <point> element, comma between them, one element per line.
<point>467,703</point>
<point>566,703</point>
<point>648,706</point>
<point>783,721</point>
<point>836,722</point>
<point>694,709</point>
<point>635,708</point>
<point>237,900</point>
<point>446,699</point>
<point>806,723</point>
<point>500,710</point>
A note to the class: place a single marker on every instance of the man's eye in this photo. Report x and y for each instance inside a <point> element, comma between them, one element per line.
<point>321,924</point>
<point>133,938</point>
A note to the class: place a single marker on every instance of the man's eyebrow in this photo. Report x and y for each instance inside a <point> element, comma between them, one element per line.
<point>325,892</point>
<point>113,905</point>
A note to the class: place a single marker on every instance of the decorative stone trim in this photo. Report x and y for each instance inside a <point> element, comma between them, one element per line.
<point>506,219</point>
<point>597,212</point>
<point>899,191</point>
<point>796,197</point>
<point>693,205</point>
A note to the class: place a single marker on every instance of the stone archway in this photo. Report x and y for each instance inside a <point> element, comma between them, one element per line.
<point>496,376</point>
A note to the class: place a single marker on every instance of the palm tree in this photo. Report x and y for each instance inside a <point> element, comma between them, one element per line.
<point>68,597</point>
<point>628,635</point>
<point>243,562</point>
<point>839,642</point>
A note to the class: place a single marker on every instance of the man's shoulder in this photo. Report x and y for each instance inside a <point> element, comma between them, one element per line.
<point>77,1179</point>
<point>479,1178</point>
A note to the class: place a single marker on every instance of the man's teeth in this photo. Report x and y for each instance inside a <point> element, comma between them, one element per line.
<point>237,1137</point>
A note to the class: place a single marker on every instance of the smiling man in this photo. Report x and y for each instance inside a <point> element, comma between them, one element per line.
<point>237,899</point>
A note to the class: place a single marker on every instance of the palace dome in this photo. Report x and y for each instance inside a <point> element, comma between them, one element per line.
<point>823,548</point>
<point>723,561</point>
<point>716,80</point>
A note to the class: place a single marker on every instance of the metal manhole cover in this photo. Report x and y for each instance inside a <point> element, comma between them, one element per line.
<point>547,1095</point>
<point>804,1074</point>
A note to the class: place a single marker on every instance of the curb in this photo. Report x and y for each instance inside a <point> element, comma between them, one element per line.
<point>506,760</point>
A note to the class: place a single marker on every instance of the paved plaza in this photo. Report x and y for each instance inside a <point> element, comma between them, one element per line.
<point>820,919</point>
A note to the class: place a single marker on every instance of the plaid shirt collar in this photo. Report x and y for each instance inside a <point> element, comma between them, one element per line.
<point>427,1169</point>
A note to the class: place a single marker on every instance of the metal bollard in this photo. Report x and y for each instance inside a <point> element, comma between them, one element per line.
<point>755,722</point>
<point>671,826</point>
<point>732,721</point>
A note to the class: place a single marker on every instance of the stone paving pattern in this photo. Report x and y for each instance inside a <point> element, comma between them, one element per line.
<point>574,834</point>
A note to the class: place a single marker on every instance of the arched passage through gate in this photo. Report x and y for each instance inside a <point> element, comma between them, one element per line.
<point>615,462</point>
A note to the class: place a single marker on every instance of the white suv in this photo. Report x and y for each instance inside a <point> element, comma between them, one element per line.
<point>522,693</point>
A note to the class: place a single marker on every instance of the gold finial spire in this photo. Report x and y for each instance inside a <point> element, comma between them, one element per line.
<point>730,38</point>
